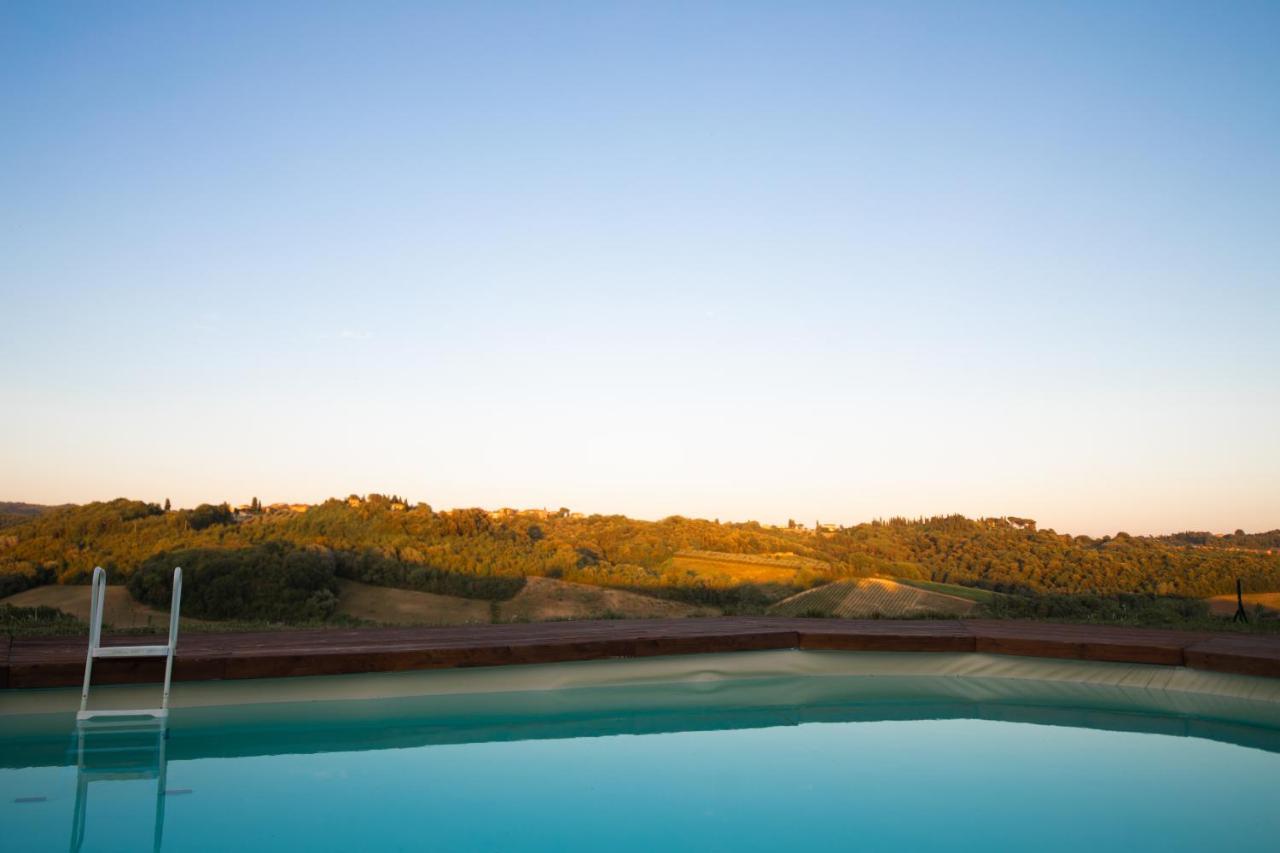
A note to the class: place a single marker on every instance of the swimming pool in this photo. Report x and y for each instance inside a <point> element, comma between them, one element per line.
<point>746,751</point>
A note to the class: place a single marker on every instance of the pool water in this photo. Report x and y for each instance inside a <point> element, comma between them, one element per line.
<point>768,760</point>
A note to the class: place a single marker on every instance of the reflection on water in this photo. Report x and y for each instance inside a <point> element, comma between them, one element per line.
<point>119,752</point>
<point>763,763</point>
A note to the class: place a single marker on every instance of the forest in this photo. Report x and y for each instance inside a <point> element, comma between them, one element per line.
<point>236,558</point>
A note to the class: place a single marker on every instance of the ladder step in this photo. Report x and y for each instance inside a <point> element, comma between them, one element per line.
<point>122,717</point>
<point>123,775</point>
<point>106,753</point>
<point>131,652</point>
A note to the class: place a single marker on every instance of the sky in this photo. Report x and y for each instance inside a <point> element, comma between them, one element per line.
<point>729,260</point>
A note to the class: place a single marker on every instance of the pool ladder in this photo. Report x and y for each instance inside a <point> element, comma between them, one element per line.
<point>97,650</point>
<point>118,745</point>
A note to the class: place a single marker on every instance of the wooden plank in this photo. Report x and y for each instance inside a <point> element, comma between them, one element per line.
<point>875,635</point>
<point>1082,642</point>
<point>1240,654</point>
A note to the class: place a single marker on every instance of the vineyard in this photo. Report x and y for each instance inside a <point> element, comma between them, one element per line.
<point>870,597</point>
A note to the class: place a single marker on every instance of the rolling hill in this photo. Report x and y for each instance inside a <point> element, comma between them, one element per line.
<point>531,562</point>
<point>16,512</point>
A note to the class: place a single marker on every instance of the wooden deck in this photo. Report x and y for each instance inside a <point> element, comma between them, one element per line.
<point>59,661</point>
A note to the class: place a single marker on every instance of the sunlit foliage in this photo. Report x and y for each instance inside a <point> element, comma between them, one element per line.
<point>474,553</point>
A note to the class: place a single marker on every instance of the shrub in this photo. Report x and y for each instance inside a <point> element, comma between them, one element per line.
<point>37,620</point>
<point>12,583</point>
<point>1123,607</point>
<point>275,581</point>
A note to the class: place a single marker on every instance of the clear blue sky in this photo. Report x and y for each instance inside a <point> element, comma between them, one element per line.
<point>740,260</point>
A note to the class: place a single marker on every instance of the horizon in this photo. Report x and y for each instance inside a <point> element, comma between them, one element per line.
<point>820,261</point>
<point>718,519</point>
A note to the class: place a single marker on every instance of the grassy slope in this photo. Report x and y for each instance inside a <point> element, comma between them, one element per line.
<point>388,606</point>
<point>121,611</point>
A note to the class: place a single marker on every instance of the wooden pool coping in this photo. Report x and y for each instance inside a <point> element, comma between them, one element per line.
<point>29,662</point>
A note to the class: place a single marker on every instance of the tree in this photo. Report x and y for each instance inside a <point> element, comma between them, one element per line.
<point>207,515</point>
<point>166,504</point>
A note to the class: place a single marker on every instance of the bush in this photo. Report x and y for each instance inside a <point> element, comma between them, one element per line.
<point>1124,607</point>
<point>37,620</point>
<point>275,581</point>
<point>12,583</point>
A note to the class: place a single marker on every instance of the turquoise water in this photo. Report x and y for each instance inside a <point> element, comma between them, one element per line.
<point>831,763</point>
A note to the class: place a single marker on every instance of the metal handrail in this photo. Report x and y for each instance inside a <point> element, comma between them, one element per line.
<point>175,604</point>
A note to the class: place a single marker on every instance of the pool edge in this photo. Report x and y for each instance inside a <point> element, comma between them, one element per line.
<point>59,661</point>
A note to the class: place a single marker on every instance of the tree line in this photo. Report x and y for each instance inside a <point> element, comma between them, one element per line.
<point>473,553</point>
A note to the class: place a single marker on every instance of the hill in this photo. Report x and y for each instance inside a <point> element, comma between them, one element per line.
<point>16,512</point>
<point>486,556</point>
